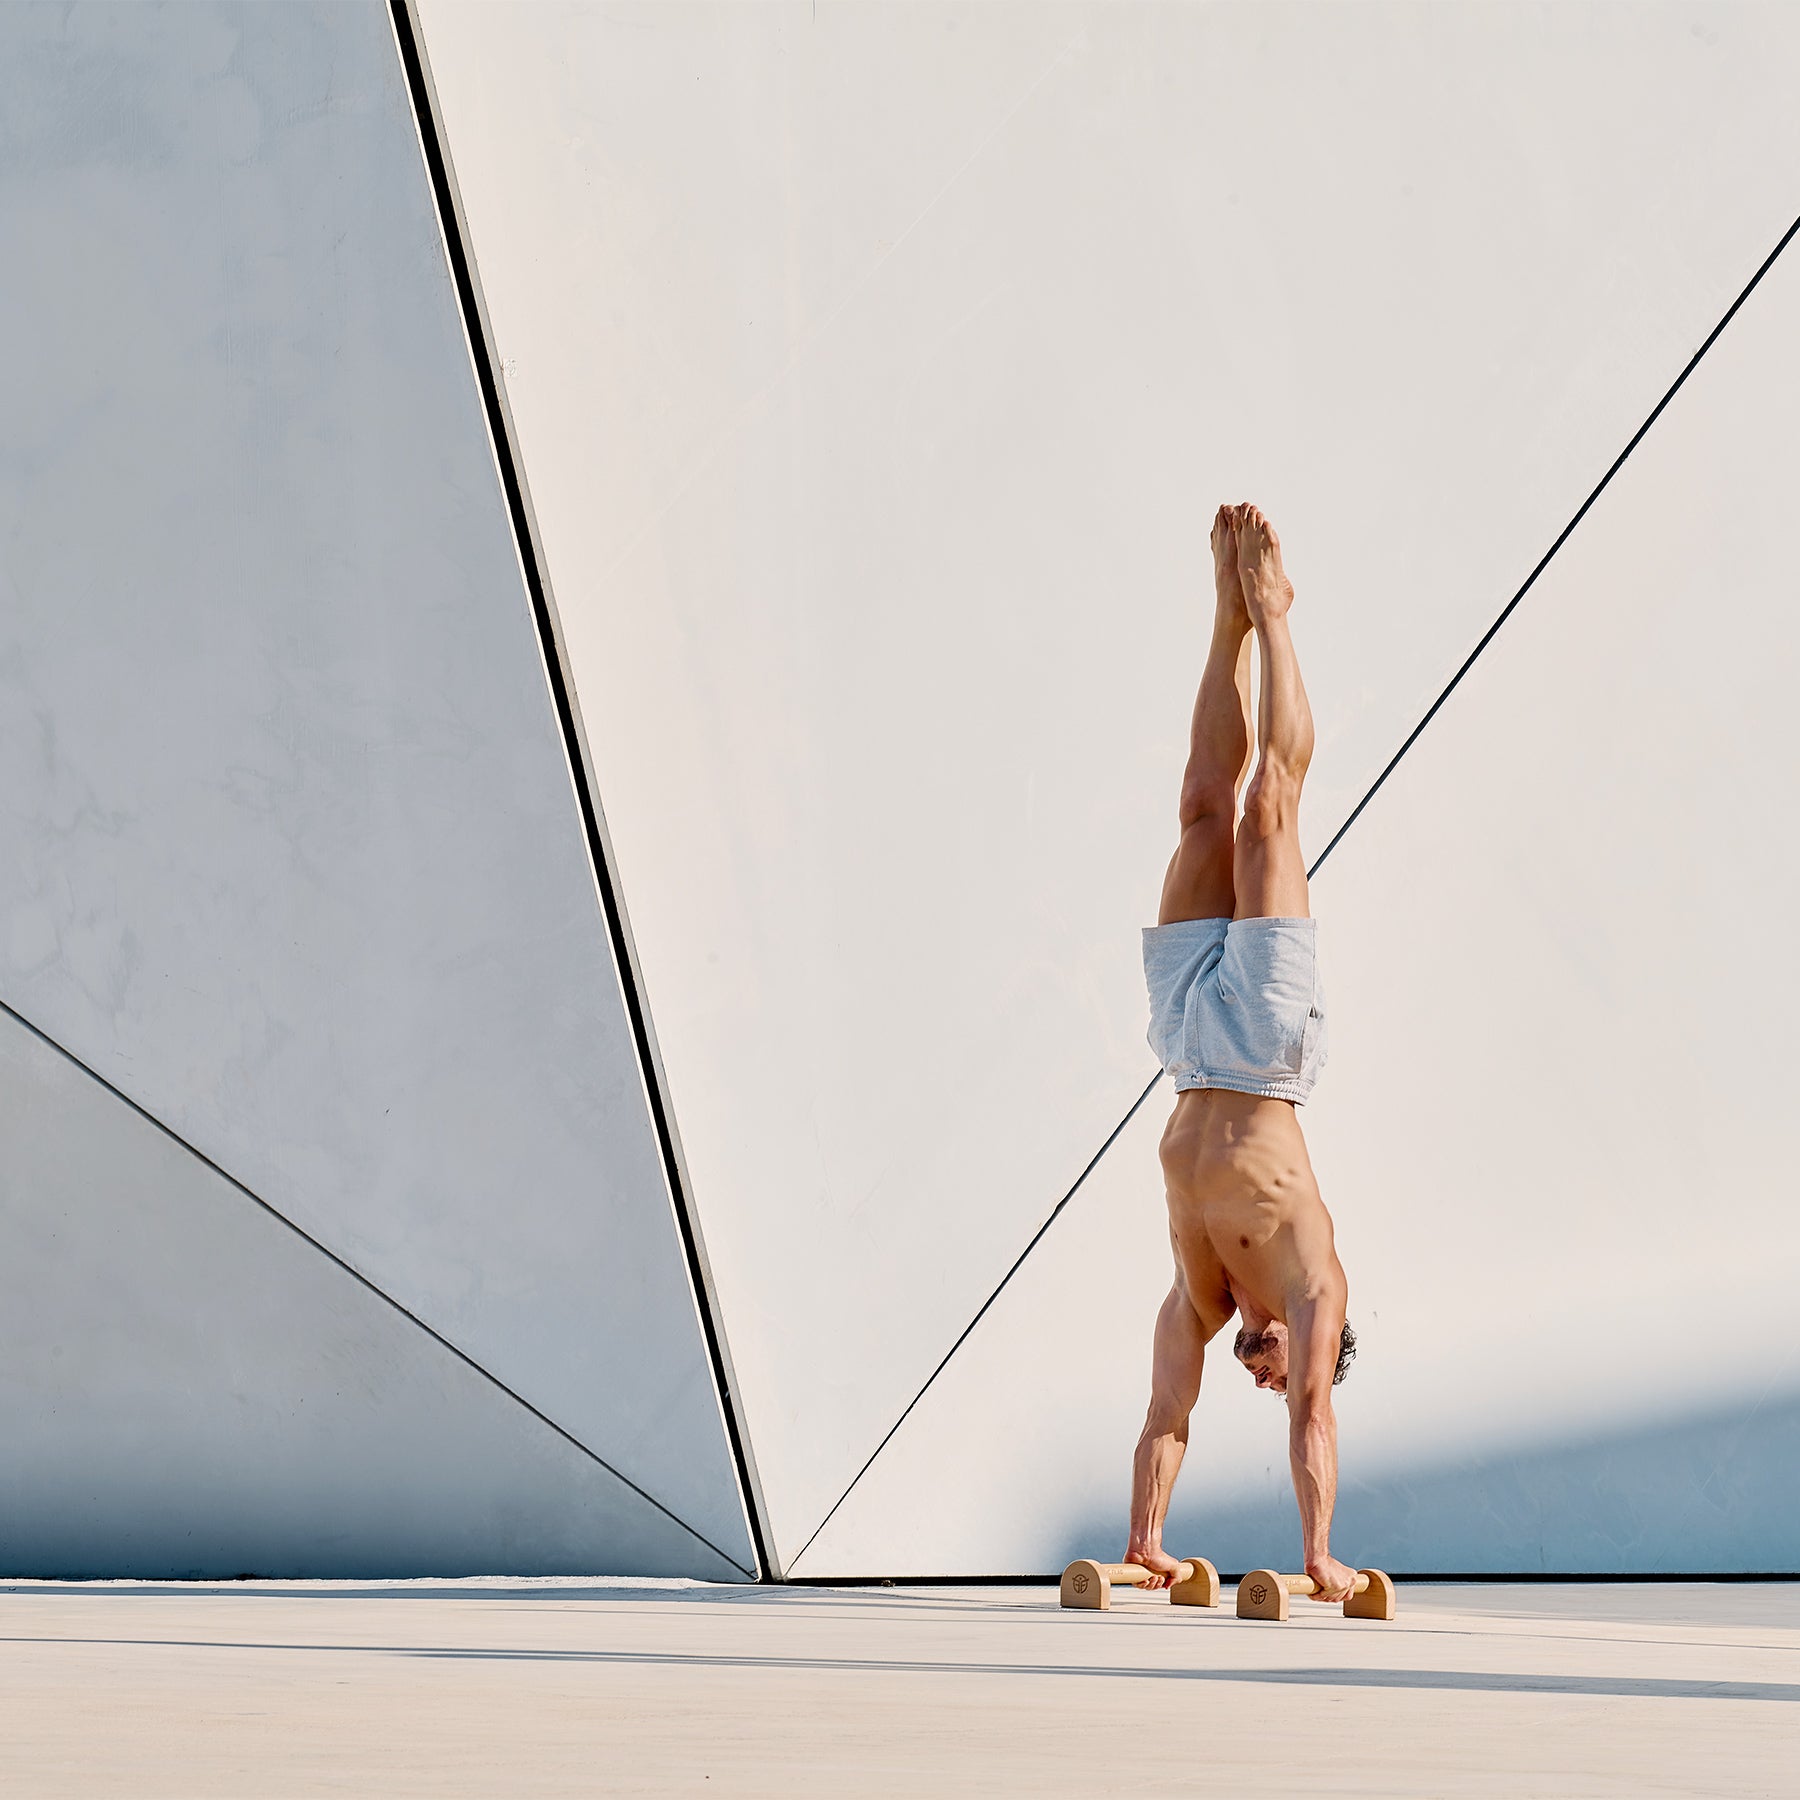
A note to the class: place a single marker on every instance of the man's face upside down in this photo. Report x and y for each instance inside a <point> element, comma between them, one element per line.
<point>1265,1355</point>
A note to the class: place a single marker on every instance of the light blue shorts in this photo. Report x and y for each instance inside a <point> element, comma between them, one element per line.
<point>1236,1003</point>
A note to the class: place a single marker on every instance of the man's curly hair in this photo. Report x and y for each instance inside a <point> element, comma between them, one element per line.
<point>1254,1343</point>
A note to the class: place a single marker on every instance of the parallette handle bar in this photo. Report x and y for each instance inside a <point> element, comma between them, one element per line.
<point>1302,1585</point>
<point>1136,1575</point>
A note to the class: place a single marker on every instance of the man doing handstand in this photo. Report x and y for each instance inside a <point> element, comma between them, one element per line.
<point>1237,1020</point>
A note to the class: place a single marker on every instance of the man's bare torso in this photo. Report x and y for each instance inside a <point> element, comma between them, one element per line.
<point>1251,1232</point>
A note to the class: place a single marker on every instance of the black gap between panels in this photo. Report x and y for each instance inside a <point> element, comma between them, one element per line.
<point>1562,537</point>
<point>481,355</point>
<point>1037,1238</point>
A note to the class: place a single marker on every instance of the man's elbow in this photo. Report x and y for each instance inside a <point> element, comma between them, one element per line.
<point>1310,1412</point>
<point>1167,1418</point>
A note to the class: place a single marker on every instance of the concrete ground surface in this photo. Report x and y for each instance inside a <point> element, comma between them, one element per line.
<point>586,1687</point>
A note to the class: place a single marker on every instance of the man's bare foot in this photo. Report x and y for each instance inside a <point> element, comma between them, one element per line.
<point>1267,591</point>
<point>1226,580</point>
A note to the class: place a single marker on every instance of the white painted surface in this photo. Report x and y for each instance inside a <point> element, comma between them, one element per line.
<point>1018,1458</point>
<point>453,1691</point>
<point>1556,1128</point>
<point>293,854</point>
<point>877,370</point>
<point>189,1388</point>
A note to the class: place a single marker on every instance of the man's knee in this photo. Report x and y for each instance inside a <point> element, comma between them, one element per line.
<point>1206,800</point>
<point>1272,804</point>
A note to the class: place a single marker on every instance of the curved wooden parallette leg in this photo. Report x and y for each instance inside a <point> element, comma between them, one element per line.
<point>1373,1598</point>
<point>1263,1594</point>
<point>1201,1588</point>
<point>1085,1586</point>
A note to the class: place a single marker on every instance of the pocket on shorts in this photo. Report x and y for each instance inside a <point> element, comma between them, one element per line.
<point>1312,1045</point>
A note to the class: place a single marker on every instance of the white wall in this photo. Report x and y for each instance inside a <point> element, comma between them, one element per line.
<point>293,857</point>
<point>876,372</point>
<point>1553,1130</point>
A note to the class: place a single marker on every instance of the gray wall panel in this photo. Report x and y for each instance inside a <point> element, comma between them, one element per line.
<point>293,855</point>
<point>188,1387</point>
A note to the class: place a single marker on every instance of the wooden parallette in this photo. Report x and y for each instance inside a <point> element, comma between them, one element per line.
<point>1087,1586</point>
<point>1263,1594</point>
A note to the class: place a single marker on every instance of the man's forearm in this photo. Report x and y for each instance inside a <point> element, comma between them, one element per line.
<point>1153,1471</point>
<point>1179,1359</point>
<point>1312,1450</point>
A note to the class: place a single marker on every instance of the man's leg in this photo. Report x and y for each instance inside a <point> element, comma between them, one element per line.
<point>1199,882</point>
<point>1269,873</point>
<point>1197,886</point>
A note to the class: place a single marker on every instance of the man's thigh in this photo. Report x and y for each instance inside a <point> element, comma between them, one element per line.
<point>1269,874</point>
<point>1200,883</point>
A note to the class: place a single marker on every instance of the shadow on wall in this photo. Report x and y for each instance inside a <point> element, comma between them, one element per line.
<point>1711,1493</point>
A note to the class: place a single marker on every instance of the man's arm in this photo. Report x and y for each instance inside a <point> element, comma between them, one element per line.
<point>1314,1328</point>
<point>1179,1357</point>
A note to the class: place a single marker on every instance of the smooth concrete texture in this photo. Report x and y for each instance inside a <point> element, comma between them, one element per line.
<point>190,1388</point>
<point>876,371</point>
<point>1554,1131</point>
<point>294,856</point>
<point>564,1688</point>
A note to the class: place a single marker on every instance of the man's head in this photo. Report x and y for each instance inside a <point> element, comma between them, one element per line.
<point>1265,1354</point>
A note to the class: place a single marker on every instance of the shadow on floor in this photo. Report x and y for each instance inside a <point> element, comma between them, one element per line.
<point>1641,1687</point>
<point>490,1589</point>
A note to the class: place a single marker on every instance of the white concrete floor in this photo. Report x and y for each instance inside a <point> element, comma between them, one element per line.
<point>522,1688</point>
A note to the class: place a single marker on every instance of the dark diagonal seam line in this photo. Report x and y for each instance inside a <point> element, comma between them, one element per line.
<point>1506,611</point>
<point>1412,738</point>
<point>459,256</point>
<point>1037,1238</point>
<point>363,1280</point>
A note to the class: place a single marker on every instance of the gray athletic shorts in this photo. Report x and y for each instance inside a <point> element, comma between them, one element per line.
<point>1236,1003</point>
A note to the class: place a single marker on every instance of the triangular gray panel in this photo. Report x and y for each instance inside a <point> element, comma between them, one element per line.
<point>294,858</point>
<point>190,1388</point>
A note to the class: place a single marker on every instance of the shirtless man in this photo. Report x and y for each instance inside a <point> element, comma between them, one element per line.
<point>1237,1020</point>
